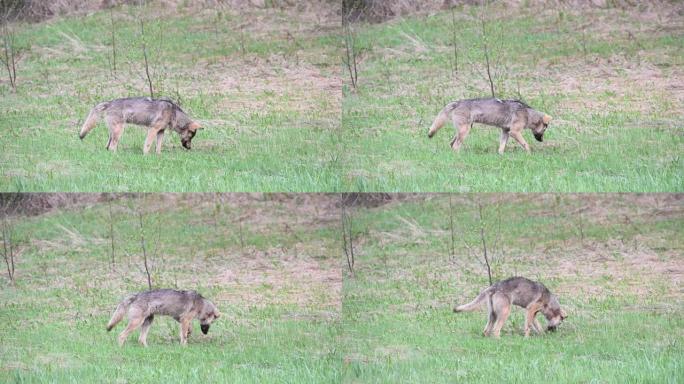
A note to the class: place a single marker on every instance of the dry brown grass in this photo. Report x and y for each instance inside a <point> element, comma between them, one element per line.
<point>37,10</point>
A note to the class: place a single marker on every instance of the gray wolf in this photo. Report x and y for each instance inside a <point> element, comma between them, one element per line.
<point>156,114</point>
<point>183,306</point>
<point>512,116</point>
<point>531,295</point>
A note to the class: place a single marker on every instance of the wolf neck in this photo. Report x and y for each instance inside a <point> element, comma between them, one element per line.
<point>180,121</point>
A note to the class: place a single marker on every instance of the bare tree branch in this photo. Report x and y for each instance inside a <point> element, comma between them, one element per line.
<point>111,232</point>
<point>8,249</point>
<point>111,17</point>
<point>485,46</point>
<point>350,61</point>
<point>484,243</point>
<point>452,248</point>
<point>144,49</point>
<point>347,239</point>
<point>454,42</point>
<point>10,53</point>
<point>142,244</point>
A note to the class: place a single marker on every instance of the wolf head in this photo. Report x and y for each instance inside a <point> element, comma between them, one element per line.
<point>182,124</point>
<point>207,315</point>
<point>553,313</point>
<point>539,125</point>
<point>187,133</point>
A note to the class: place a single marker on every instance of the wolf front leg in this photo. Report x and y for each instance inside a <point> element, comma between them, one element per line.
<point>151,134</point>
<point>160,138</point>
<point>184,330</point>
<point>521,140</point>
<point>537,326</point>
<point>530,319</point>
<point>503,139</point>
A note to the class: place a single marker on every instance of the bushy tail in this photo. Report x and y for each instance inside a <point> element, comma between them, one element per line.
<point>475,304</point>
<point>439,122</point>
<point>92,119</point>
<point>120,311</point>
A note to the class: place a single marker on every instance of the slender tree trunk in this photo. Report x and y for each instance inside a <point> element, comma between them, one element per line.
<point>347,240</point>
<point>142,244</point>
<point>147,65</point>
<point>486,49</point>
<point>8,254</point>
<point>452,249</point>
<point>111,17</point>
<point>111,233</point>
<point>484,244</point>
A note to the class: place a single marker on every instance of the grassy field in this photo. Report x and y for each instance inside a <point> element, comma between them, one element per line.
<point>611,78</point>
<point>614,260</point>
<point>274,267</point>
<point>267,262</point>
<point>264,83</point>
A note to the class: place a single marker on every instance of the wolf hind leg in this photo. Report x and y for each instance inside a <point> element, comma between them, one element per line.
<point>133,323</point>
<point>463,128</point>
<point>115,131</point>
<point>145,329</point>
<point>502,306</point>
<point>491,318</point>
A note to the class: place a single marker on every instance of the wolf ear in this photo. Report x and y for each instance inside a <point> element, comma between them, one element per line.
<point>217,314</point>
<point>563,315</point>
<point>194,126</point>
<point>546,119</point>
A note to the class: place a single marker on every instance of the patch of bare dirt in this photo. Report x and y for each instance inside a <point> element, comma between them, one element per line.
<point>606,209</point>
<point>621,78</point>
<point>601,270</point>
<point>277,84</point>
<point>263,280</point>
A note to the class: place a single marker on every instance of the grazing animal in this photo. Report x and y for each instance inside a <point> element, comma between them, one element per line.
<point>512,116</point>
<point>183,306</point>
<point>531,295</point>
<point>156,114</point>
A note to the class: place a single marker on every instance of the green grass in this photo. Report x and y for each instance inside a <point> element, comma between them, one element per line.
<point>258,80</point>
<point>279,323</point>
<point>625,313</point>
<point>618,125</point>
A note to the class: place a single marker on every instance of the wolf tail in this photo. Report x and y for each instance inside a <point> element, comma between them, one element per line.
<point>94,115</point>
<point>440,120</point>
<point>120,311</point>
<point>475,304</point>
